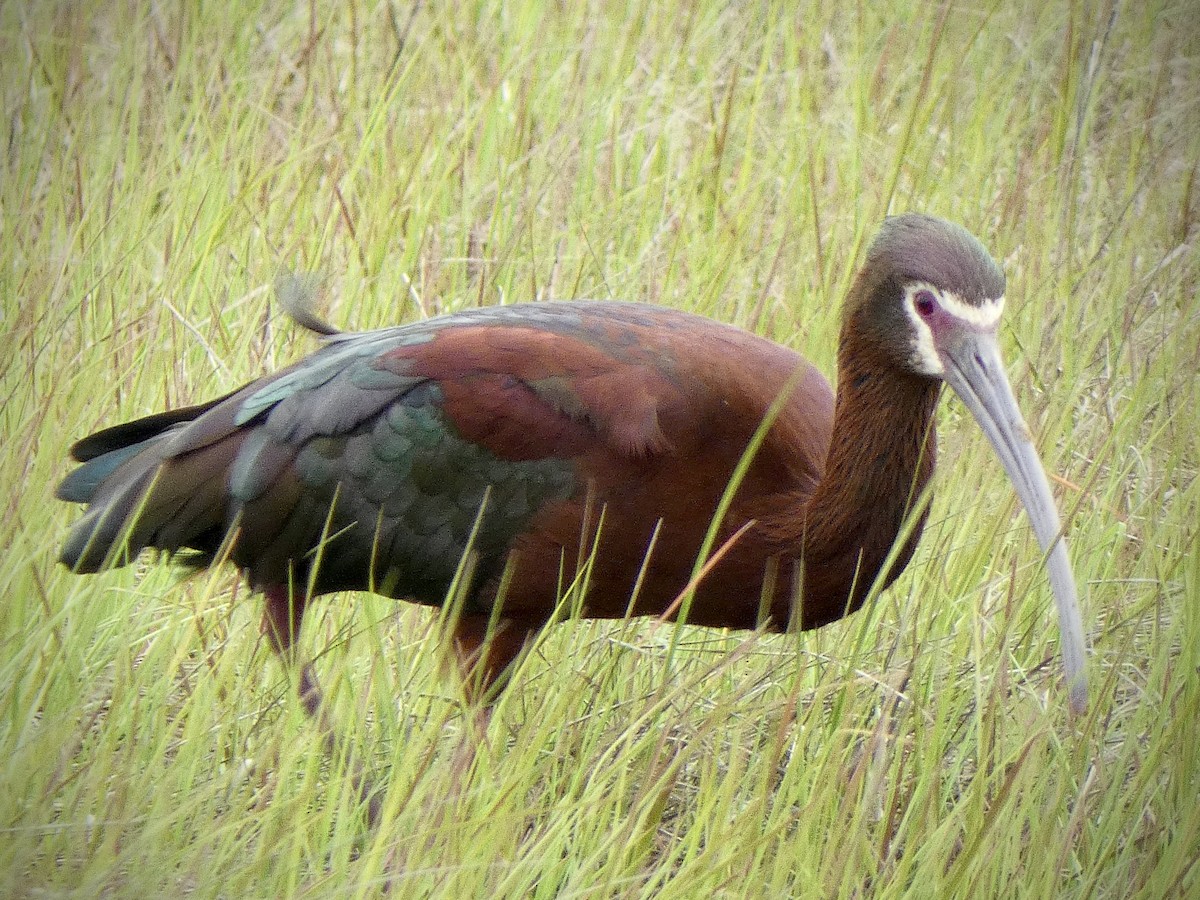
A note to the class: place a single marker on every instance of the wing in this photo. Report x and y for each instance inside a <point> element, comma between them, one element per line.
<point>367,465</point>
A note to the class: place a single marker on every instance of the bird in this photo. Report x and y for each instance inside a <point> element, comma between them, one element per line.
<point>642,460</point>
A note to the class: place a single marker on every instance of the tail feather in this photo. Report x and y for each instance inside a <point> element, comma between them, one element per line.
<point>172,504</point>
<point>122,437</point>
<point>198,523</point>
<point>188,500</point>
<point>142,492</point>
<point>99,539</point>
<point>181,489</point>
<point>82,484</point>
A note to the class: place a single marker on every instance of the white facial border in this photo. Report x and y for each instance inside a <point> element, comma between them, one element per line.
<point>981,317</point>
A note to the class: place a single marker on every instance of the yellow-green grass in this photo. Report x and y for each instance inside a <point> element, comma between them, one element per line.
<point>163,163</point>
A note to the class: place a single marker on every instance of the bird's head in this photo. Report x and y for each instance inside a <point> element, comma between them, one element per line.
<point>926,284</point>
<point>929,299</point>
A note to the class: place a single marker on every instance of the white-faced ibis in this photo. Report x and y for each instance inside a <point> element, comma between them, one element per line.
<point>505,435</point>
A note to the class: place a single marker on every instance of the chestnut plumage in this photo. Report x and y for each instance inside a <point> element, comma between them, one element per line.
<point>508,445</point>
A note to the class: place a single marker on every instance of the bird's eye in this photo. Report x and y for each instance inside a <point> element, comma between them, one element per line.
<point>925,303</point>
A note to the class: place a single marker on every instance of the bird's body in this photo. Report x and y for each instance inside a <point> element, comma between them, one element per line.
<point>555,438</point>
<point>576,419</point>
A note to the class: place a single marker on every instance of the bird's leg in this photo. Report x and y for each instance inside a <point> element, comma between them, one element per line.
<point>282,616</point>
<point>484,659</point>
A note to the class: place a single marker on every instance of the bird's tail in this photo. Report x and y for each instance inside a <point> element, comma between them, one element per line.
<point>161,481</point>
<point>130,505</point>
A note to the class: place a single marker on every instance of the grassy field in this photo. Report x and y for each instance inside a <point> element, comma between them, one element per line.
<point>162,166</point>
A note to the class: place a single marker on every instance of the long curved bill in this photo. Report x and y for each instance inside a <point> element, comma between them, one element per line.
<point>974,369</point>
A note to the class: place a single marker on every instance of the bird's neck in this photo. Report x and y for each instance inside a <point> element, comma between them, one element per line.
<point>881,457</point>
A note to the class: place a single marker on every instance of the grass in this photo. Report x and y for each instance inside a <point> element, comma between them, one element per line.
<point>163,165</point>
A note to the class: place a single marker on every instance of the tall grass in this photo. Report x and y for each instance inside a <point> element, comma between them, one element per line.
<point>163,164</point>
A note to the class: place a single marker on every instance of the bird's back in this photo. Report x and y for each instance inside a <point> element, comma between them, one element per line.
<point>374,462</point>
